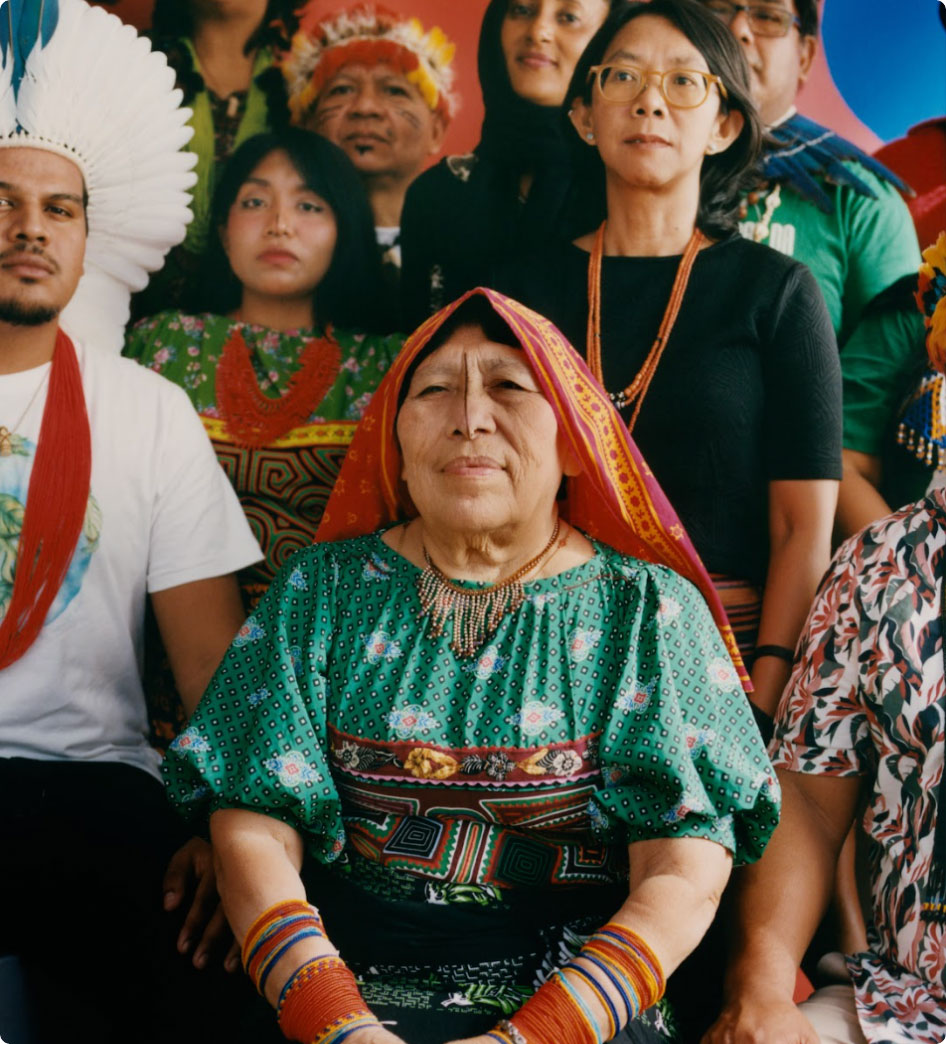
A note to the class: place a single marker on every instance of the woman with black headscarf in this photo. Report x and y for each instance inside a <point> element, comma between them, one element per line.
<point>512,191</point>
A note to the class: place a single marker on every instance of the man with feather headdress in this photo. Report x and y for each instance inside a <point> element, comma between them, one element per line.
<point>109,493</point>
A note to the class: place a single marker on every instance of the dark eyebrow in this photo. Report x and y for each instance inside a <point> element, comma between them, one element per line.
<point>55,197</point>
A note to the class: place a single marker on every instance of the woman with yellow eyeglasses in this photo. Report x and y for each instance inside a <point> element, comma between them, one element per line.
<point>717,351</point>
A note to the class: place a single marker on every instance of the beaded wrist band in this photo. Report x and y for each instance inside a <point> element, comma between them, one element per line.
<point>274,933</point>
<point>557,1012</point>
<point>321,1003</point>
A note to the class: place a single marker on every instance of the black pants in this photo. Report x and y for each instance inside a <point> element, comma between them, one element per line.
<point>83,850</point>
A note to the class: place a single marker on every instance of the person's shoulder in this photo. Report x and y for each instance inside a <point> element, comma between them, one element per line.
<point>169,329</point>
<point>339,556</point>
<point>384,346</point>
<point>641,573</point>
<point>128,387</point>
<point>756,263</point>
<point>531,272</point>
<point>449,175</point>
<point>899,543</point>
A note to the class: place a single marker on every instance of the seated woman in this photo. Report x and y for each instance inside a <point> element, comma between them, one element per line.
<point>466,213</point>
<point>718,352</point>
<point>494,751</point>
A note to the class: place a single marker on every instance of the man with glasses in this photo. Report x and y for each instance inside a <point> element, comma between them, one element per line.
<point>826,203</point>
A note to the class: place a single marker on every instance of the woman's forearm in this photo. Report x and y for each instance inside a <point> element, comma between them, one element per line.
<point>795,570</point>
<point>675,886</point>
<point>800,519</point>
<point>258,860</point>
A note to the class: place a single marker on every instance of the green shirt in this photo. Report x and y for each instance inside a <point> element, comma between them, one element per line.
<point>862,248</point>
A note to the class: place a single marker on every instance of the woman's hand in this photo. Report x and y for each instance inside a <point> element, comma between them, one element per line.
<point>190,879</point>
<point>474,1040</point>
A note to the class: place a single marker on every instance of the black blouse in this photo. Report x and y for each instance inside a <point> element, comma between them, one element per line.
<point>748,389</point>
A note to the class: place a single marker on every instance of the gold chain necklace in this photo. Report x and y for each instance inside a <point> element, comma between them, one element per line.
<point>476,613</point>
<point>6,434</point>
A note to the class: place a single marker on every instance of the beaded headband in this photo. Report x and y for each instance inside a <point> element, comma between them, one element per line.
<point>368,34</point>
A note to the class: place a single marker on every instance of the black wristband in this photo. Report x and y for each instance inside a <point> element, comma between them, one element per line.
<point>782,652</point>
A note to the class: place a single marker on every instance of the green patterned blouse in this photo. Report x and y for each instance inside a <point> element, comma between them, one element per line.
<point>603,711</point>
<point>284,486</point>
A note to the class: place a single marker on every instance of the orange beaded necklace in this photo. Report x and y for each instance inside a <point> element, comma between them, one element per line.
<point>637,389</point>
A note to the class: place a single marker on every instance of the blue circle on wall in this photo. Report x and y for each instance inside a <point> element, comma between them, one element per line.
<point>888,61</point>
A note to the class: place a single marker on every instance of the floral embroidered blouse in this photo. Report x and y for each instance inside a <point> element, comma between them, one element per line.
<point>867,698</point>
<point>284,485</point>
<point>604,710</point>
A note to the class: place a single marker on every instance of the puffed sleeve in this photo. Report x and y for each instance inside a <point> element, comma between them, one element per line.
<point>258,738</point>
<point>681,755</point>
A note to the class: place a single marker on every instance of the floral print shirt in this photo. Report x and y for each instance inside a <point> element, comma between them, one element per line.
<point>867,698</point>
<point>284,485</point>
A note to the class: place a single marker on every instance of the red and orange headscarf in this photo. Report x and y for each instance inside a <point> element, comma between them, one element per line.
<point>614,499</point>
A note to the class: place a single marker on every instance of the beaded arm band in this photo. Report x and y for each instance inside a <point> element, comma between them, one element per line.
<point>274,933</point>
<point>557,1012</point>
<point>320,1003</point>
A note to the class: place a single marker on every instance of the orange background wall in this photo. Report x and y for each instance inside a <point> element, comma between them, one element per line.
<point>460,20</point>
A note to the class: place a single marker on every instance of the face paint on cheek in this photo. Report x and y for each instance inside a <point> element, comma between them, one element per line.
<point>409,117</point>
<point>325,113</point>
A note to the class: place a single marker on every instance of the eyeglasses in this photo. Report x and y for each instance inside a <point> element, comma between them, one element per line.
<point>681,88</point>
<point>764,19</point>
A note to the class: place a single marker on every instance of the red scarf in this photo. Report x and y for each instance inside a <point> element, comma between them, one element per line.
<point>615,499</point>
<point>55,505</point>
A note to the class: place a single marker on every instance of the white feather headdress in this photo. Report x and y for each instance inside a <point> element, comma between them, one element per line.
<point>79,82</point>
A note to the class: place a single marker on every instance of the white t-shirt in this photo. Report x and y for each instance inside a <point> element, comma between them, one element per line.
<point>161,513</point>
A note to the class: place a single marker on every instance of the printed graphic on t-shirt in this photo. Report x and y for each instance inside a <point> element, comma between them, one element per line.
<point>15,469</point>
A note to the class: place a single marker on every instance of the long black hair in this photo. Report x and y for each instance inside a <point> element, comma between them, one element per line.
<point>349,293</point>
<point>724,174</point>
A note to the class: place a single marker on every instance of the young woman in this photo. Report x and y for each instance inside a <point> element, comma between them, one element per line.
<point>280,364</point>
<point>468,212</point>
<point>718,352</point>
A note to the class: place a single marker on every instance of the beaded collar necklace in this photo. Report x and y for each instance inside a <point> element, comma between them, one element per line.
<point>476,612</point>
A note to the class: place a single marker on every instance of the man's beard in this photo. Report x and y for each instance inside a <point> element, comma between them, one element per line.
<point>18,314</point>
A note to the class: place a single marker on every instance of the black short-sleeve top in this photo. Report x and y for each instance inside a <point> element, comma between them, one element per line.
<point>748,389</point>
